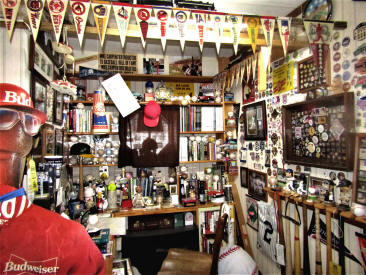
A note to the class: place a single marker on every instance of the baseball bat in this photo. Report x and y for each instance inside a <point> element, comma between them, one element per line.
<point>318,253</point>
<point>341,244</point>
<point>329,239</point>
<point>288,244</point>
<point>297,252</point>
<point>306,264</point>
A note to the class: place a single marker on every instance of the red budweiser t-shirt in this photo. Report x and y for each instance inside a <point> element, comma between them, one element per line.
<point>34,240</point>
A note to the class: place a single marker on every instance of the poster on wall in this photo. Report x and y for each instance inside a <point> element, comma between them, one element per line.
<point>283,78</point>
<point>118,63</point>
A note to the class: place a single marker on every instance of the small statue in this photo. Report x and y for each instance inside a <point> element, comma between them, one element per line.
<point>138,200</point>
<point>301,189</point>
<point>289,181</point>
<point>345,194</point>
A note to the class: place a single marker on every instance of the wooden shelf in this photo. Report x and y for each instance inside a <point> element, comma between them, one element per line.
<point>168,103</point>
<point>91,165</point>
<point>88,133</point>
<point>200,161</point>
<point>160,232</point>
<point>229,102</point>
<point>90,102</point>
<point>201,132</point>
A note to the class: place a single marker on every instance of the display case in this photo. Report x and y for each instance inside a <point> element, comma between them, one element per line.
<point>320,132</point>
<point>359,173</point>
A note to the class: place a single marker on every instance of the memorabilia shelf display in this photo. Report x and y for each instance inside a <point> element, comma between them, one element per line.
<point>359,174</point>
<point>319,132</point>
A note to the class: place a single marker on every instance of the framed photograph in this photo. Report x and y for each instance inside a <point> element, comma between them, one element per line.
<point>256,182</point>
<point>59,142</point>
<point>39,93</point>
<point>40,62</point>
<point>173,189</point>
<point>255,121</point>
<point>48,140</point>
<point>252,212</point>
<point>49,103</point>
<point>244,177</point>
<point>58,108</point>
<point>317,184</point>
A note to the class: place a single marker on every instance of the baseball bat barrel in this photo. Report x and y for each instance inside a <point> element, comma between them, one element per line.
<point>297,252</point>
<point>288,246</point>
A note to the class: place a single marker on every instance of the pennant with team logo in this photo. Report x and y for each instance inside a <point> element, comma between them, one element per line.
<point>254,65</point>
<point>163,16</point>
<point>319,35</point>
<point>101,12</point>
<point>268,24</point>
<point>80,12</point>
<point>35,11</point>
<point>57,9</point>
<point>200,18</point>
<point>235,21</point>
<point>284,24</point>
<point>122,13</point>
<point>143,14</point>
<point>218,21</point>
<point>10,12</point>
<point>182,16</point>
<point>249,68</point>
<point>242,70</point>
<point>252,28</point>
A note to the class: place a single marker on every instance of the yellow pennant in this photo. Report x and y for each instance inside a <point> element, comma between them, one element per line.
<point>101,16</point>
<point>252,28</point>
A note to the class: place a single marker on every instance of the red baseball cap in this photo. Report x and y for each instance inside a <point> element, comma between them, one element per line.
<point>17,98</point>
<point>151,114</point>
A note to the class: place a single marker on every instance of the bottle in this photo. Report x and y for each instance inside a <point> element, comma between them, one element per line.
<point>99,203</point>
<point>201,191</point>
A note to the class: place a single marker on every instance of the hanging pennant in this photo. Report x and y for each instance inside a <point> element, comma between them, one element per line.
<point>143,14</point>
<point>57,9</point>
<point>319,35</point>
<point>80,12</point>
<point>200,18</point>
<point>268,24</point>
<point>284,24</point>
<point>235,21</point>
<point>237,74</point>
<point>254,65</point>
<point>122,13</point>
<point>232,78</point>
<point>35,11</point>
<point>265,56</point>
<point>181,16</point>
<point>252,28</point>
<point>10,12</point>
<point>218,20</point>
<point>163,16</point>
<point>249,68</point>
<point>242,70</point>
<point>262,68</point>
<point>101,16</point>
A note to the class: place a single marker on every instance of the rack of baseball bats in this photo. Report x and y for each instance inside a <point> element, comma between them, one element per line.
<point>294,265</point>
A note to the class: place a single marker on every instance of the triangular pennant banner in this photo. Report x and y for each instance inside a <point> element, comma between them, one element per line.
<point>218,21</point>
<point>235,21</point>
<point>265,56</point>
<point>200,18</point>
<point>10,11</point>
<point>249,68</point>
<point>122,13</point>
<point>268,24</point>
<point>182,16</point>
<point>242,71</point>
<point>80,12</point>
<point>232,78</point>
<point>35,11</point>
<point>262,68</point>
<point>237,74</point>
<point>284,24</point>
<point>101,12</point>
<point>252,28</point>
<point>254,65</point>
<point>163,16</point>
<point>143,14</point>
<point>57,9</point>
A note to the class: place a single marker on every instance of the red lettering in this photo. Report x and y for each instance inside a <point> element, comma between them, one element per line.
<point>34,19</point>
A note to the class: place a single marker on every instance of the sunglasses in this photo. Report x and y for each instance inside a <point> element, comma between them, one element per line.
<point>9,117</point>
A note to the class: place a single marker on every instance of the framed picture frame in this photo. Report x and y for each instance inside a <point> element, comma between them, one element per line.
<point>173,189</point>
<point>255,121</point>
<point>252,212</point>
<point>317,184</point>
<point>244,177</point>
<point>50,102</point>
<point>48,140</point>
<point>40,62</point>
<point>58,108</point>
<point>39,93</point>
<point>257,181</point>
<point>359,172</point>
<point>59,142</point>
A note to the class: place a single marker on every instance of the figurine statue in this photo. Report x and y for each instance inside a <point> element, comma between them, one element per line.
<point>138,200</point>
<point>345,194</point>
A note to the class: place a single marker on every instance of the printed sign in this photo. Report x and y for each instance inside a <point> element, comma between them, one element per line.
<point>283,78</point>
<point>118,63</point>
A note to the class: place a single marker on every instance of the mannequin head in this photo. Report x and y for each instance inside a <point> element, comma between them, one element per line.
<point>19,121</point>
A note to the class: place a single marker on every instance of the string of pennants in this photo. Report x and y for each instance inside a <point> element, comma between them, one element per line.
<point>143,14</point>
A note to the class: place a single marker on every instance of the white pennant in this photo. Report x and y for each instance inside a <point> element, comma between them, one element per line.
<point>268,24</point>
<point>35,11</point>
<point>101,12</point>
<point>249,68</point>
<point>10,12</point>
<point>235,21</point>
<point>284,24</point>
<point>200,18</point>
<point>80,11</point>
<point>254,65</point>
<point>218,21</point>
<point>242,70</point>
<point>122,13</point>
<point>163,16</point>
<point>57,9</point>
<point>265,56</point>
<point>142,17</point>
<point>182,16</point>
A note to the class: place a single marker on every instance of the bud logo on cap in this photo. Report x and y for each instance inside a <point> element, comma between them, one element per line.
<point>151,114</point>
<point>21,99</point>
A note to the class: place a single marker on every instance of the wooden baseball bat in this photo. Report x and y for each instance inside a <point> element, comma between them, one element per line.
<point>341,258</point>
<point>329,237</point>
<point>288,244</point>
<point>318,253</point>
<point>306,264</point>
<point>297,251</point>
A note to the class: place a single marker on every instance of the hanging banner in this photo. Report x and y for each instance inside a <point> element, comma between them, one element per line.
<point>235,21</point>
<point>80,12</point>
<point>101,16</point>
<point>252,28</point>
<point>163,16</point>
<point>284,24</point>
<point>35,11</point>
<point>254,65</point>
<point>200,18</point>
<point>57,9</point>
<point>237,75</point>
<point>249,68</point>
<point>218,21</point>
<point>268,24</point>
<point>242,70</point>
<point>10,12</point>
<point>319,35</point>
<point>143,14</point>
<point>122,13</point>
<point>265,56</point>
<point>181,16</point>
<point>283,78</point>
<point>262,68</point>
